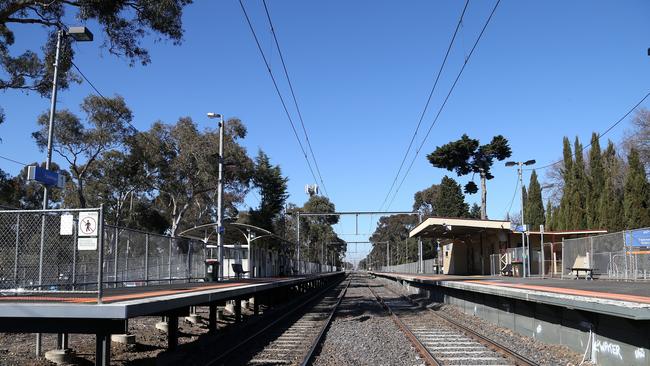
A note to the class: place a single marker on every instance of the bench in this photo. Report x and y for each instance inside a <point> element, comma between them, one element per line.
<point>238,269</point>
<point>589,272</point>
<point>507,270</point>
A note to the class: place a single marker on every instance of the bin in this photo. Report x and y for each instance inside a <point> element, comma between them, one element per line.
<point>517,269</point>
<point>211,270</point>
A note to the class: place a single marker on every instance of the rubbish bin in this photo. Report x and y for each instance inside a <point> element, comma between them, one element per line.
<point>211,270</point>
<point>517,269</point>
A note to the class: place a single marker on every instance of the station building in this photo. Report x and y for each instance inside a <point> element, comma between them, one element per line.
<point>487,247</point>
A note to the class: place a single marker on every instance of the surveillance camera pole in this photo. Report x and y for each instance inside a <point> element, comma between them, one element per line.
<point>220,199</point>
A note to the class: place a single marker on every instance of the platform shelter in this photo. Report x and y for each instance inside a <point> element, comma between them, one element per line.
<point>474,246</point>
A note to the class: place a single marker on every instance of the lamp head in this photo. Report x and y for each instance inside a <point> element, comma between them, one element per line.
<point>530,162</point>
<point>80,34</point>
<point>511,163</point>
<point>214,115</point>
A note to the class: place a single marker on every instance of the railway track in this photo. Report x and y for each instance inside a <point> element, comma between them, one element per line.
<point>292,341</point>
<point>441,340</point>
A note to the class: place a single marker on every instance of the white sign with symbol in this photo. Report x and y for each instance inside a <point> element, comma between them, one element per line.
<point>88,222</point>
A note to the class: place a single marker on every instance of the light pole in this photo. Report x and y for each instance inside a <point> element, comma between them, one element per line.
<point>525,249</point>
<point>219,193</point>
<point>79,34</point>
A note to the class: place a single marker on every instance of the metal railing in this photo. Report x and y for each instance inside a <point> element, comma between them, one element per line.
<point>430,266</point>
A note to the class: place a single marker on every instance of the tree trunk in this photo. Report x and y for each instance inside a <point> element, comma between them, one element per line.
<point>80,193</point>
<point>483,197</point>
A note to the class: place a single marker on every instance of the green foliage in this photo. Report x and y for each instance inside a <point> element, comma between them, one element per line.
<point>272,187</point>
<point>395,230</point>
<point>636,201</point>
<point>451,201</point>
<point>124,24</point>
<point>610,207</point>
<point>596,182</point>
<point>533,205</point>
<point>475,211</point>
<point>465,156</point>
<point>424,200</point>
<point>317,232</point>
<point>549,217</point>
<point>180,165</point>
<point>81,144</point>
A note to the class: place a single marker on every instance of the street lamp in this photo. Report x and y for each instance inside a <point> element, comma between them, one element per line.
<point>213,115</point>
<point>520,165</point>
<point>80,34</point>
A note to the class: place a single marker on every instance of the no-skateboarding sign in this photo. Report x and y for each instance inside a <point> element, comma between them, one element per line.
<point>87,230</point>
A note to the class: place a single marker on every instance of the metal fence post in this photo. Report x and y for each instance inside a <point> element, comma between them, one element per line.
<point>100,255</point>
<point>126,258</point>
<point>17,250</point>
<point>169,262</point>
<point>115,256</point>
<point>562,265</point>
<point>74,254</point>
<point>146,258</point>
<point>189,261</point>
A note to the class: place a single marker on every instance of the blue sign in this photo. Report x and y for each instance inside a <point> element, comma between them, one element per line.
<point>221,229</point>
<point>637,238</point>
<point>42,175</point>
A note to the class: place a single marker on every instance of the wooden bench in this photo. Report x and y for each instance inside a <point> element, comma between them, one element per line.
<point>589,272</point>
<point>507,270</point>
<point>238,269</point>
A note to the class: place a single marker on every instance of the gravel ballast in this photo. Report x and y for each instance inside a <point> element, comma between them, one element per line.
<point>363,334</point>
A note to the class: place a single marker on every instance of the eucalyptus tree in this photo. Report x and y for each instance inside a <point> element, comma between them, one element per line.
<point>123,24</point>
<point>81,144</point>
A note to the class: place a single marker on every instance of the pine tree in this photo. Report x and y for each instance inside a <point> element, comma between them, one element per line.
<point>596,183</point>
<point>610,207</point>
<point>475,211</point>
<point>534,206</point>
<point>636,199</point>
<point>450,201</point>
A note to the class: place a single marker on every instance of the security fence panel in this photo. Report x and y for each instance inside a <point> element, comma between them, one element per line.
<point>158,259</point>
<point>40,250</point>
<point>575,254</point>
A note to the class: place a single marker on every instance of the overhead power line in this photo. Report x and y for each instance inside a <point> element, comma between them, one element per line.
<point>12,160</point>
<point>444,103</point>
<point>293,95</point>
<point>277,89</point>
<point>426,105</point>
<point>601,134</point>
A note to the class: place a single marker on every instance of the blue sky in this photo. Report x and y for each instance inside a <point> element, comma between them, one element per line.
<point>362,71</point>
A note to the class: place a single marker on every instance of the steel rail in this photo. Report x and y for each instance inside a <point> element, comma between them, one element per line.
<point>428,357</point>
<point>317,341</point>
<point>519,359</point>
<point>217,360</point>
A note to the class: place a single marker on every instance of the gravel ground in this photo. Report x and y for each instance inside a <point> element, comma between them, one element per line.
<point>363,334</point>
<point>18,349</point>
<point>542,353</point>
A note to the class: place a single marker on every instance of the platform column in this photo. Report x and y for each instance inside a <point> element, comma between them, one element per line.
<point>102,349</point>
<point>237,310</point>
<point>212,318</point>
<point>172,332</point>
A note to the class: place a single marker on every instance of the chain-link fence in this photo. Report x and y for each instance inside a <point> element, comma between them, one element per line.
<point>60,250</point>
<point>49,250</point>
<point>430,266</point>
<point>623,255</point>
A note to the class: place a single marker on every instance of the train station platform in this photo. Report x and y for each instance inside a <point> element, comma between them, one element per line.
<point>629,300</point>
<point>62,312</point>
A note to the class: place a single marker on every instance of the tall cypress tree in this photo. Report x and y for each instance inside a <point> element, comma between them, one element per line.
<point>596,183</point>
<point>611,208</point>
<point>524,197</point>
<point>549,216</point>
<point>578,217</point>
<point>636,199</point>
<point>563,218</point>
<point>534,207</point>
